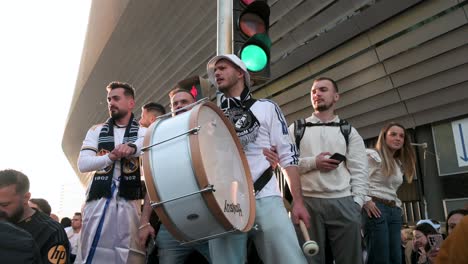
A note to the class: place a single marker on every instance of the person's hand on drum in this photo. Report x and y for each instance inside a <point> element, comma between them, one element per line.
<point>144,231</point>
<point>272,156</point>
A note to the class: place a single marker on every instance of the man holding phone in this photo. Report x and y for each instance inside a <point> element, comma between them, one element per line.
<point>334,178</point>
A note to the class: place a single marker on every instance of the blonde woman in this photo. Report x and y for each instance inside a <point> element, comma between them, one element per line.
<point>392,158</point>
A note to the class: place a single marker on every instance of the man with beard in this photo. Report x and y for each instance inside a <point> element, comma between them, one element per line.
<point>48,234</point>
<point>169,249</point>
<point>17,245</point>
<point>334,191</point>
<point>260,125</point>
<point>111,213</point>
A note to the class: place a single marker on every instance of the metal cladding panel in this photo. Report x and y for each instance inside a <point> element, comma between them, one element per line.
<point>337,33</point>
<point>279,9</point>
<point>432,66</point>
<point>436,46</point>
<point>298,104</point>
<point>369,104</point>
<point>365,62</point>
<point>360,78</point>
<point>441,97</point>
<point>384,113</point>
<point>302,90</point>
<point>374,129</point>
<point>299,13</point>
<point>410,17</point>
<point>442,112</point>
<point>434,82</point>
<point>363,92</point>
<point>313,49</point>
<point>422,34</point>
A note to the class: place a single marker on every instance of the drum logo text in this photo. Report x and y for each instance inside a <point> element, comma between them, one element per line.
<point>232,208</point>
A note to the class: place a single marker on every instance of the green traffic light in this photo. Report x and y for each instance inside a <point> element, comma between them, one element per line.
<point>254,57</point>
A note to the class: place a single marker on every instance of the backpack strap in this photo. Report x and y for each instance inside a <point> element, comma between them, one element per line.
<point>345,129</point>
<point>299,129</point>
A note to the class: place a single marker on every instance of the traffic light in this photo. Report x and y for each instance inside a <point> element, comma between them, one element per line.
<point>199,87</point>
<point>251,43</point>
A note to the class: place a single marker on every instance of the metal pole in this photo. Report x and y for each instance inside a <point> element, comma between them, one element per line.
<point>224,27</point>
<point>224,33</point>
<point>423,210</point>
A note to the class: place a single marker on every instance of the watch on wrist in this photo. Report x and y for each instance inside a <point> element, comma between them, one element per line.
<point>133,146</point>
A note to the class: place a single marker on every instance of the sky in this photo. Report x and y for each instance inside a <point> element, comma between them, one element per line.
<point>40,51</point>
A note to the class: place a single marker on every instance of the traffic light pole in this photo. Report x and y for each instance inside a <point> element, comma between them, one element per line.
<point>224,27</point>
<point>224,33</point>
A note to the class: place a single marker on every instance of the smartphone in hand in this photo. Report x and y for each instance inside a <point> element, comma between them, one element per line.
<point>337,156</point>
<point>435,241</point>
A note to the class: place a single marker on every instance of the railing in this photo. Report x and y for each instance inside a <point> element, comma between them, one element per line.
<point>412,212</point>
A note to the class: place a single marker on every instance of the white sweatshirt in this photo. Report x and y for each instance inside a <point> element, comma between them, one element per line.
<point>350,178</point>
<point>384,187</point>
<point>273,131</point>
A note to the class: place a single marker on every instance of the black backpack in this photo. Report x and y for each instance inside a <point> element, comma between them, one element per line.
<point>300,126</point>
<point>299,129</point>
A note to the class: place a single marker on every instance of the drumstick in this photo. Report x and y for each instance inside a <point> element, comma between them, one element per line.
<point>310,247</point>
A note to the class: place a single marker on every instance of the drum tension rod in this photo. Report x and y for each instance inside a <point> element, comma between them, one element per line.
<point>193,131</point>
<point>203,239</point>
<point>209,188</point>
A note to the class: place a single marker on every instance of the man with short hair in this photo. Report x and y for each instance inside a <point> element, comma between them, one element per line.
<point>111,152</point>
<point>41,205</point>
<point>149,113</point>
<point>169,249</point>
<point>334,191</point>
<point>260,125</point>
<point>48,234</point>
<point>73,234</point>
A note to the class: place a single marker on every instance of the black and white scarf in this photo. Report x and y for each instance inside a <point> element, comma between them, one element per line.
<point>130,183</point>
<point>244,121</point>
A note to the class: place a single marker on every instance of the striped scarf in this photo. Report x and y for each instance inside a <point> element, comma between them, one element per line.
<point>130,182</point>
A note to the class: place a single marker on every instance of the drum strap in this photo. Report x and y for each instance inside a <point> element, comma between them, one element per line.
<point>263,180</point>
<point>246,126</point>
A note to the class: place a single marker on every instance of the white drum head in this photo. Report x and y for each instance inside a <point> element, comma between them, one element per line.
<point>218,158</point>
<point>190,163</point>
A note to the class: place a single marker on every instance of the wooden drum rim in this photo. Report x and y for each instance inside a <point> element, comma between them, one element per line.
<point>152,193</point>
<point>201,175</point>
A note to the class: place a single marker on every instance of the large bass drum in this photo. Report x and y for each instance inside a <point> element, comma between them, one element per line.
<point>197,175</point>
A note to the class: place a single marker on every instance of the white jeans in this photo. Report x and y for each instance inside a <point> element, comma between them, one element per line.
<point>275,239</point>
